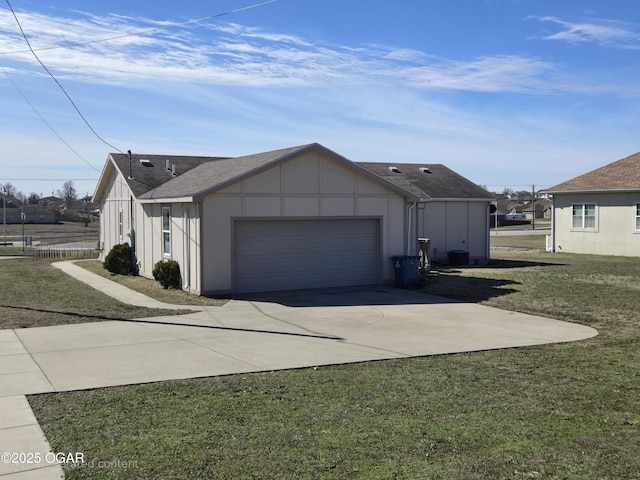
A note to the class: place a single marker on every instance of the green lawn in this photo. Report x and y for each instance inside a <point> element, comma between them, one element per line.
<point>35,294</point>
<point>52,233</point>
<point>568,411</point>
<point>151,288</point>
<point>526,242</point>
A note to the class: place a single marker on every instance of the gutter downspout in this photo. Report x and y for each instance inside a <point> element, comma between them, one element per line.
<point>488,240</point>
<point>186,228</point>
<point>409,223</point>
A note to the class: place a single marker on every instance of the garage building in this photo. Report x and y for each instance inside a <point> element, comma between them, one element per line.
<point>301,217</point>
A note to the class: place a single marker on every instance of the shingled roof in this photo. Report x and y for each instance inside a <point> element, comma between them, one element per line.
<point>215,174</point>
<point>150,171</point>
<point>623,175</point>
<point>149,179</point>
<point>434,181</point>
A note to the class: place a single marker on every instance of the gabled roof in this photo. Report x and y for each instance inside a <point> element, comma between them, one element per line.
<point>214,175</point>
<point>153,172</point>
<point>623,175</point>
<point>433,181</point>
<point>197,177</point>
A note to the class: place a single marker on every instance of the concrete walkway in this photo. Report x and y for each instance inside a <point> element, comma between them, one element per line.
<point>262,333</point>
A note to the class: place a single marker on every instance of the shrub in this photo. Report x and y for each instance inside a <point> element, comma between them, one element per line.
<point>120,260</point>
<point>167,272</point>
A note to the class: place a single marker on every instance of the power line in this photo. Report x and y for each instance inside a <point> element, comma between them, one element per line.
<point>45,121</point>
<point>33,51</point>
<point>140,32</point>
<point>58,83</point>
<point>50,179</point>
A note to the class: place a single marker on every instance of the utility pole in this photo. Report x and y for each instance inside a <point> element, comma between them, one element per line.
<point>533,207</point>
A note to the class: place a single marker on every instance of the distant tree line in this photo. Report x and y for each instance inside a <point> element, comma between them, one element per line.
<point>68,193</point>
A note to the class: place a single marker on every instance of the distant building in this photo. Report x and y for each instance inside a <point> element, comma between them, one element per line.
<point>599,212</point>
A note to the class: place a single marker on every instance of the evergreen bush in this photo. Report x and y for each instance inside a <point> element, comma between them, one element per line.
<point>167,272</point>
<point>120,260</point>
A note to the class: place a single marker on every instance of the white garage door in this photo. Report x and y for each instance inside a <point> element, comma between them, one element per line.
<point>296,254</point>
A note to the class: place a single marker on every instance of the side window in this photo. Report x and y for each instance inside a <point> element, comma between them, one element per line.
<point>583,216</point>
<point>638,216</point>
<point>120,231</point>
<point>166,230</point>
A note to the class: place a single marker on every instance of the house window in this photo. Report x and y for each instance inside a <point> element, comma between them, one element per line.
<point>120,224</point>
<point>584,216</point>
<point>166,230</point>
<point>638,216</point>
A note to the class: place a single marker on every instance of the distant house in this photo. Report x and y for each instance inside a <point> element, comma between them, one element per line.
<point>300,217</point>
<point>599,212</point>
<point>542,209</point>
<point>33,214</point>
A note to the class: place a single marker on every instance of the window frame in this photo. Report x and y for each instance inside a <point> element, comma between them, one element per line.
<point>637,218</point>
<point>583,217</point>
<point>120,225</point>
<point>166,232</point>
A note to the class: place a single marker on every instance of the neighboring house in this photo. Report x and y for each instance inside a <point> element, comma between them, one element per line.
<point>301,217</point>
<point>599,212</point>
<point>542,209</point>
<point>33,214</point>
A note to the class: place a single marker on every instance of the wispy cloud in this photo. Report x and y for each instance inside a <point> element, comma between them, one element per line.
<point>605,32</point>
<point>230,54</point>
<point>487,74</point>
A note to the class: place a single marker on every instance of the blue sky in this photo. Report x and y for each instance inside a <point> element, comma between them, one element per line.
<point>508,93</point>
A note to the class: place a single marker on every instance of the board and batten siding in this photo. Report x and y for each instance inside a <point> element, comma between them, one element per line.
<point>455,225</point>
<point>312,186</point>
<point>115,215</point>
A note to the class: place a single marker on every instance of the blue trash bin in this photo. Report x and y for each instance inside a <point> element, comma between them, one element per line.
<point>407,271</point>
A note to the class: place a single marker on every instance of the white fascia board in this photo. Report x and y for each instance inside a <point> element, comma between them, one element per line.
<point>166,200</point>
<point>573,192</point>
<point>463,199</point>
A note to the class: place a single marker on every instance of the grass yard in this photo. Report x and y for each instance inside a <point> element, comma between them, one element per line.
<point>35,294</point>
<point>151,288</point>
<point>568,411</point>
<point>523,242</point>
<point>53,233</point>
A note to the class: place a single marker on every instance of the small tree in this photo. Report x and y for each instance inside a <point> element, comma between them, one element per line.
<point>167,272</point>
<point>120,260</point>
<point>68,193</point>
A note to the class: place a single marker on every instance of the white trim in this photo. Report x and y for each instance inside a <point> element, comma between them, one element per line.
<point>166,231</point>
<point>584,216</point>
<point>636,218</point>
<point>120,225</point>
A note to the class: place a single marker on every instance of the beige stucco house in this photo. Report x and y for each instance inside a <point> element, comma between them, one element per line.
<point>599,212</point>
<point>301,217</point>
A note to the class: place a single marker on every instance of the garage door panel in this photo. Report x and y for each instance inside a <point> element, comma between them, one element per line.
<point>295,254</point>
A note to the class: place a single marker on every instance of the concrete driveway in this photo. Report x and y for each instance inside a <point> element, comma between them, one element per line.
<point>267,333</point>
<point>253,334</point>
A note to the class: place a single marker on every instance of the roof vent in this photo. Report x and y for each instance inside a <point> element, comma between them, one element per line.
<point>173,170</point>
<point>145,162</point>
<point>394,169</point>
<point>425,170</point>
<point>167,164</point>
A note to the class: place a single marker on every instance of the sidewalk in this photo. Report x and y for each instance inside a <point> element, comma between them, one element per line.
<point>251,335</point>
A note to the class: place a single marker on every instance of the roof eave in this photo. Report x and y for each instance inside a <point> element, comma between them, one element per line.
<point>463,199</point>
<point>103,179</point>
<point>198,196</point>
<point>187,199</point>
<point>605,190</point>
